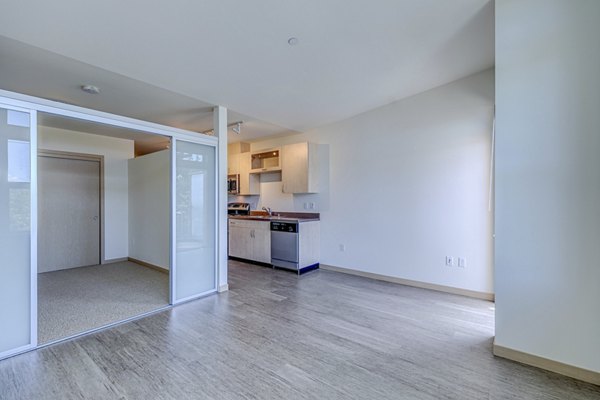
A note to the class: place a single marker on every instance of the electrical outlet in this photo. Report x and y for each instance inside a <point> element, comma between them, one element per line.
<point>342,247</point>
<point>462,262</point>
<point>306,206</point>
<point>311,205</point>
<point>449,261</point>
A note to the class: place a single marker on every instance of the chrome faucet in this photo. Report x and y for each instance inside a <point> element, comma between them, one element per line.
<point>268,210</point>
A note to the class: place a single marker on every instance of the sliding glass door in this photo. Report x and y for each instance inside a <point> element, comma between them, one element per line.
<point>17,280</point>
<point>193,213</point>
<point>195,220</point>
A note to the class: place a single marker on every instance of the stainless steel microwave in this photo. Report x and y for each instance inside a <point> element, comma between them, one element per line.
<point>233,184</point>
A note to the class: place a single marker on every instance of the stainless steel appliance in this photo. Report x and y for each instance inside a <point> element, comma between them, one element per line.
<point>284,245</point>
<point>238,208</point>
<point>233,184</point>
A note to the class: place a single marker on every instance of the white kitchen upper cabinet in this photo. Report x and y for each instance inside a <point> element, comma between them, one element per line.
<point>233,164</point>
<point>267,160</point>
<point>249,183</point>
<point>299,168</point>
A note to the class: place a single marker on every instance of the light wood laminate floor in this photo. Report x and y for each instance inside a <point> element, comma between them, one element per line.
<point>275,335</point>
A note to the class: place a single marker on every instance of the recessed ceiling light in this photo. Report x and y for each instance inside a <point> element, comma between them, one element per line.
<point>293,41</point>
<point>91,89</point>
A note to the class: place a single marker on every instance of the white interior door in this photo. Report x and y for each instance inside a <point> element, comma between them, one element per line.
<point>68,213</point>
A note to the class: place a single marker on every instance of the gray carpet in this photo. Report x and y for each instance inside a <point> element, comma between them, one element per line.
<point>79,299</point>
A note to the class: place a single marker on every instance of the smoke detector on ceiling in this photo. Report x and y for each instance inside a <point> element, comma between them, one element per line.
<point>91,89</point>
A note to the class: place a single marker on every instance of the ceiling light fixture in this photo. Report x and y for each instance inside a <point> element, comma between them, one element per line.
<point>293,41</point>
<point>91,89</point>
<point>237,128</point>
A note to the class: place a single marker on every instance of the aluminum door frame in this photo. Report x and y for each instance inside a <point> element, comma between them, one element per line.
<point>33,105</point>
<point>33,339</point>
<point>173,273</point>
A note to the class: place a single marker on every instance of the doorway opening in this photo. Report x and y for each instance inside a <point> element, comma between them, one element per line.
<point>104,211</point>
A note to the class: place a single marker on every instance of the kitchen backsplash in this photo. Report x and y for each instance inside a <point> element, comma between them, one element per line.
<point>273,197</point>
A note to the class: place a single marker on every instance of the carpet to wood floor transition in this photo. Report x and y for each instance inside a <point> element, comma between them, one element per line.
<point>274,335</point>
<point>76,300</point>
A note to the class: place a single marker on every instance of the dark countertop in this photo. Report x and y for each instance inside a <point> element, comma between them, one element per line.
<point>279,216</point>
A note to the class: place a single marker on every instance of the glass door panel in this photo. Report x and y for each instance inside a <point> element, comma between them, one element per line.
<point>15,232</point>
<point>195,213</point>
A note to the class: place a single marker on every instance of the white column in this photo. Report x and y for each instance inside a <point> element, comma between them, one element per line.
<point>220,127</point>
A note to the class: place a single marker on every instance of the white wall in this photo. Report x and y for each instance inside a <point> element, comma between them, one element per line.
<point>150,208</point>
<point>405,185</point>
<point>116,152</point>
<point>548,179</point>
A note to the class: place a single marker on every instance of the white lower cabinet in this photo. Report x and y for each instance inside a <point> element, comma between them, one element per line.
<point>239,241</point>
<point>250,240</point>
<point>261,249</point>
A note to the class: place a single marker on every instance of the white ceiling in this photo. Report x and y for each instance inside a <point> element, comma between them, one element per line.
<point>36,72</point>
<point>352,56</point>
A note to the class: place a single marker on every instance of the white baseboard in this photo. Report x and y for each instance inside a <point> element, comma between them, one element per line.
<point>223,288</point>
<point>148,265</point>
<point>550,365</point>
<point>408,282</point>
<point>115,260</point>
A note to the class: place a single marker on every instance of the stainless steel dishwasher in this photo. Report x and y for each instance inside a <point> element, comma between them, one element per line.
<point>284,245</point>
